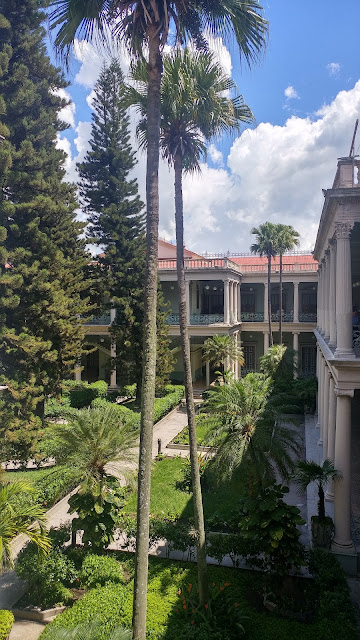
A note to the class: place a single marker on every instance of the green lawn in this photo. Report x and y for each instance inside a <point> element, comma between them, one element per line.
<point>205,435</point>
<point>31,475</point>
<point>167,498</point>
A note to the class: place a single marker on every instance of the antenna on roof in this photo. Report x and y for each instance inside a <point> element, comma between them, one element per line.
<point>353,139</point>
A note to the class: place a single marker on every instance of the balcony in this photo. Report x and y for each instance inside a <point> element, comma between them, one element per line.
<point>202,263</point>
<point>248,316</point>
<point>307,317</point>
<point>356,341</point>
<point>286,317</point>
<point>197,319</point>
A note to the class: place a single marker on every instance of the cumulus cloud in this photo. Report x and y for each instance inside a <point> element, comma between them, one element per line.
<point>333,68</point>
<point>67,114</point>
<point>290,93</point>
<point>215,155</point>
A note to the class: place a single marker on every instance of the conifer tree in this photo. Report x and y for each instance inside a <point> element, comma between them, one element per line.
<point>43,260</point>
<point>111,201</point>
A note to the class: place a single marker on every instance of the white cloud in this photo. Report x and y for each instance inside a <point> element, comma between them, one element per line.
<point>215,155</point>
<point>333,68</point>
<point>94,56</point>
<point>217,46</point>
<point>290,93</point>
<point>67,114</point>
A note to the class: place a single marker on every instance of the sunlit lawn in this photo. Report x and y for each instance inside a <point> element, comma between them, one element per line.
<point>32,475</point>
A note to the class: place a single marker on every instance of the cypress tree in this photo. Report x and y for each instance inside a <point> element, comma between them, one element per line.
<point>43,261</point>
<point>111,201</point>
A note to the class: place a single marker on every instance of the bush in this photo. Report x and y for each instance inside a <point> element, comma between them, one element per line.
<point>6,622</point>
<point>97,571</point>
<point>104,604</point>
<point>48,576</point>
<point>167,403</point>
<point>54,486</point>
<point>129,390</point>
<point>82,395</point>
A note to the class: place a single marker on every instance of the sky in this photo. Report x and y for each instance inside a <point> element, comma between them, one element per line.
<point>305,95</point>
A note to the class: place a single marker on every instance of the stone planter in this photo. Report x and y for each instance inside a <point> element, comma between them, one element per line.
<point>322,532</point>
<point>37,615</point>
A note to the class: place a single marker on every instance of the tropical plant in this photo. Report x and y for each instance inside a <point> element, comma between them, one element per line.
<point>147,23</point>
<point>266,245</point>
<point>17,516</point>
<point>255,439</point>
<point>219,349</point>
<point>270,362</point>
<point>193,108</point>
<point>88,630</point>
<point>287,239</point>
<point>309,471</point>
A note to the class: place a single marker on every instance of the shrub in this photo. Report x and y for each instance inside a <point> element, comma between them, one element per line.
<point>54,486</point>
<point>186,483</point>
<point>6,622</point>
<point>167,403</point>
<point>104,604</point>
<point>83,394</point>
<point>47,576</point>
<point>97,571</point>
<point>129,390</point>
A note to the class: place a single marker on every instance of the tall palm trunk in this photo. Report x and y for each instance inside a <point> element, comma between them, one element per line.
<point>269,300</point>
<point>149,348</point>
<point>185,344</point>
<point>281,296</point>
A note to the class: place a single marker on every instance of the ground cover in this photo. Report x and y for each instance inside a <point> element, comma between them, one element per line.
<point>167,497</point>
<point>171,584</point>
<point>50,483</point>
<point>204,433</point>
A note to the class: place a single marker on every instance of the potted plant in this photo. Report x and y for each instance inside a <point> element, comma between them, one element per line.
<point>322,526</point>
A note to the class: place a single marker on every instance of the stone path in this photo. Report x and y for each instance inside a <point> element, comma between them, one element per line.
<point>12,588</point>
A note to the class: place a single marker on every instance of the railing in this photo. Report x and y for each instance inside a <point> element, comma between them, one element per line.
<point>286,317</point>
<point>173,318</point>
<point>295,268</point>
<point>307,317</point>
<point>213,263</point>
<point>252,317</point>
<point>356,341</point>
<point>99,320</point>
<point>207,318</point>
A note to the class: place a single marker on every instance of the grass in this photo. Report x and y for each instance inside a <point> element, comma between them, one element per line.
<point>167,498</point>
<point>204,429</point>
<point>30,475</point>
<point>164,623</point>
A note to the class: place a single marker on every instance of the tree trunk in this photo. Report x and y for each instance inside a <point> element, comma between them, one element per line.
<point>281,298</point>
<point>149,344</point>
<point>269,300</point>
<point>185,344</point>
<point>321,505</point>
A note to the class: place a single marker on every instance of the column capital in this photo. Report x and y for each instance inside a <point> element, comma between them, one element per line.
<point>296,284</point>
<point>343,230</point>
<point>332,244</point>
<point>296,333</point>
<point>266,333</point>
<point>349,393</point>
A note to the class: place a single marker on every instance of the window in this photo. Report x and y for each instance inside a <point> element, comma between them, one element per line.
<point>308,302</point>
<point>249,357</point>
<point>308,360</point>
<point>275,302</point>
<point>248,302</point>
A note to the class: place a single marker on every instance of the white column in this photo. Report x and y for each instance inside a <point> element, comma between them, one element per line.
<point>113,382</point>
<point>317,376</point>
<point>266,341</point>
<point>296,350</point>
<point>236,289</point>
<point>266,309</point>
<point>239,302</point>
<point>331,434</point>
<point>344,348</point>
<point>326,411</point>
<point>226,301</point>
<point>187,295</point>
<point>342,508</point>
<point>326,296</point>
<point>318,302</point>
<point>322,296</point>
<point>332,294</point>
<point>231,296</point>
<point>296,302</point>
<point>207,373</point>
<point>112,313</point>
<point>77,372</point>
<point>321,395</point>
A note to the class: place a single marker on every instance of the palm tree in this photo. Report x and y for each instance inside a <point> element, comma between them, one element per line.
<point>146,23</point>
<point>265,245</point>
<point>287,239</point>
<point>219,349</point>
<point>309,471</point>
<point>193,109</point>
<point>18,516</point>
<point>254,439</point>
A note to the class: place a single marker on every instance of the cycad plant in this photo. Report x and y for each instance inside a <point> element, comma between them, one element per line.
<point>309,471</point>
<point>255,439</point>
<point>18,515</point>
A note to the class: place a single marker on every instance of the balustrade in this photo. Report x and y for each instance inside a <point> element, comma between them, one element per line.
<point>307,317</point>
<point>99,320</point>
<point>247,316</point>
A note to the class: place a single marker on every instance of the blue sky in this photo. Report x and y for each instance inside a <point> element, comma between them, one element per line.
<point>305,95</point>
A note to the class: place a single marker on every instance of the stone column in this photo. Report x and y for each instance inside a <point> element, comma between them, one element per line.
<point>296,301</point>
<point>326,296</point>
<point>321,395</point>
<point>236,303</point>
<point>342,508</point>
<point>266,341</point>
<point>239,302</point>
<point>113,381</point>
<point>187,295</point>
<point>77,372</point>
<point>326,411</point>
<point>207,373</point>
<point>296,350</point>
<point>317,376</point>
<point>331,435</point>
<point>226,301</point>
<point>332,294</point>
<point>318,304</point>
<point>112,314</point>
<point>266,309</point>
<point>344,348</point>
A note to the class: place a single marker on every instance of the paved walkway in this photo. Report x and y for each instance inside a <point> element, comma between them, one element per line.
<point>12,588</point>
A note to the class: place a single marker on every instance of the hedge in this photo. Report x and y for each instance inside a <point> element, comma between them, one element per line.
<point>55,485</point>
<point>6,622</point>
<point>97,571</point>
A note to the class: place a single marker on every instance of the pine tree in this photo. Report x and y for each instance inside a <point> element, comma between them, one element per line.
<point>111,201</point>
<point>43,261</point>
